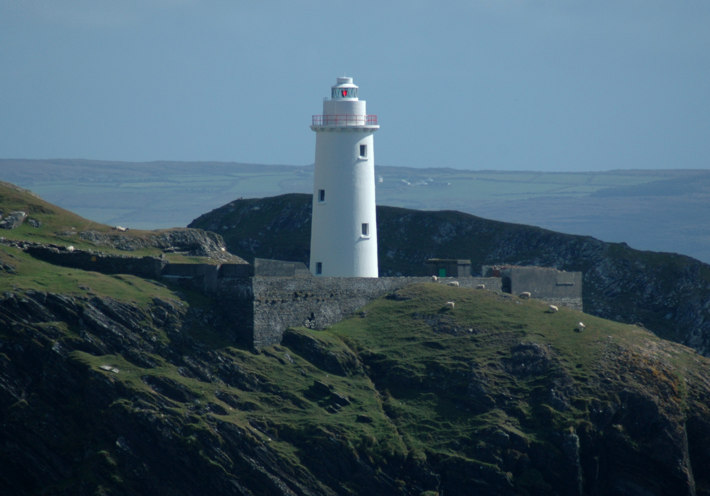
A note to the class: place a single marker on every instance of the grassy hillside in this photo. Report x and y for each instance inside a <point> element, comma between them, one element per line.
<point>56,224</point>
<point>21,272</point>
<point>409,397</point>
<point>49,224</point>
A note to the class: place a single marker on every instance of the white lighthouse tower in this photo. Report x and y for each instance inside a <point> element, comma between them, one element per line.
<point>344,226</point>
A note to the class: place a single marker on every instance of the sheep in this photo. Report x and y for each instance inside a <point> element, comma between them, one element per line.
<point>580,327</point>
<point>450,304</point>
<point>434,278</point>
<point>121,228</point>
<point>552,309</point>
<point>525,295</point>
<point>481,286</point>
<point>70,248</point>
<point>453,283</point>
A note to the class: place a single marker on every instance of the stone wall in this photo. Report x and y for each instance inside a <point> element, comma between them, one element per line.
<point>206,277</point>
<point>554,286</point>
<point>448,267</point>
<point>317,302</point>
<point>150,267</point>
<point>279,268</point>
<point>259,302</point>
<point>235,271</point>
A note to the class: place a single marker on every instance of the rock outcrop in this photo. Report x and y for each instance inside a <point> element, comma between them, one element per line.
<point>12,220</point>
<point>192,242</point>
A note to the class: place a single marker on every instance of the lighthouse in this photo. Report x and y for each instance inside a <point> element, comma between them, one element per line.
<point>344,225</point>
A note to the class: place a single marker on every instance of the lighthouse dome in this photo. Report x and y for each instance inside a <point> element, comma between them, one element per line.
<point>344,89</point>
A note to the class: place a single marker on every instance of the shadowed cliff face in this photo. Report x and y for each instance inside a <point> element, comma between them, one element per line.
<point>496,396</point>
<point>115,384</point>
<point>99,397</point>
<point>669,294</point>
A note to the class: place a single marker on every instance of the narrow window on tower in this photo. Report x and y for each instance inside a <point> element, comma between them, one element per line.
<point>365,229</point>
<point>321,195</point>
<point>319,267</point>
<point>363,151</point>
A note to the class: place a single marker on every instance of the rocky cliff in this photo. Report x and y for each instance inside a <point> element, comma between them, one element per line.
<point>114,384</point>
<point>495,397</point>
<point>190,242</point>
<point>89,404</point>
<point>667,293</point>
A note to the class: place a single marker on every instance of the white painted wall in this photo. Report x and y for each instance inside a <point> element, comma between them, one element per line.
<point>348,180</point>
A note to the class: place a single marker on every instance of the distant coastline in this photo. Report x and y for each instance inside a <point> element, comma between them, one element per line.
<point>658,210</point>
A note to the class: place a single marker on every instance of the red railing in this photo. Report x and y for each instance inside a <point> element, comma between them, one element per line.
<point>345,120</point>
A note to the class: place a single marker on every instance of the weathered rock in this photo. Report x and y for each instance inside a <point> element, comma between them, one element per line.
<point>337,361</point>
<point>192,242</point>
<point>528,359</point>
<point>7,268</point>
<point>12,220</point>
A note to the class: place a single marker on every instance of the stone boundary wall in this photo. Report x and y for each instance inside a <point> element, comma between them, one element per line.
<point>200,276</point>
<point>554,286</point>
<point>317,302</point>
<point>150,267</point>
<point>573,303</point>
<point>206,277</point>
<point>279,268</point>
<point>259,308</point>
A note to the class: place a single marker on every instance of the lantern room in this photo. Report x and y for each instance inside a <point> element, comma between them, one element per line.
<point>344,89</point>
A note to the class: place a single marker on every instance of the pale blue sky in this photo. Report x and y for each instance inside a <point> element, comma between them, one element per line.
<point>539,85</point>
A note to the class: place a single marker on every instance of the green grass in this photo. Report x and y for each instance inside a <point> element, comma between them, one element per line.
<point>420,358</point>
<point>281,411</point>
<point>413,394</point>
<point>62,227</point>
<point>33,274</point>
<point>419,383</point>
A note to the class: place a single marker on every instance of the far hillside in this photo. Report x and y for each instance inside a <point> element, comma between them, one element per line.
<point>666,293</point>
<point>659,210</point>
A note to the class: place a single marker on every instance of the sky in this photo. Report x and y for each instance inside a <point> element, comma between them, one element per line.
<point>548,85</point>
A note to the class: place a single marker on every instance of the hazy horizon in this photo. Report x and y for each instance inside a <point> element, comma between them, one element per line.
<point>473,85</point>
<point>403,166</point>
